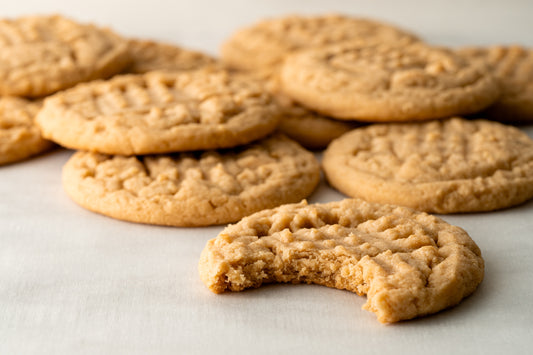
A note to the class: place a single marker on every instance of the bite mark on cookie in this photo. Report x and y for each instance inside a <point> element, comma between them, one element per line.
<point>407,263</point>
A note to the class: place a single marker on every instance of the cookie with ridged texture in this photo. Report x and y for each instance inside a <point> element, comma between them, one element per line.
<point>193,189</point>
<point>407,263</point>
<point>264,44</point>
<point>388,82</point>
<point>160,112</point>
<point>447,166</point>
<point>513,67</point>
<point>20,138</point>
<point>151,55</point>
<point>40,55</point>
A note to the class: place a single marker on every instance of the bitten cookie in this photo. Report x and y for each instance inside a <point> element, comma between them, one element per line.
<point>150,55</point>
<point>263,45</point>
<point>448,166</point>
<point>513,67</point>
<point>160,112</point>
<point>408,264</point>
<point>40,55</point>
<point>387,82</point>
<point>20,138</point>
<point>193,189</point>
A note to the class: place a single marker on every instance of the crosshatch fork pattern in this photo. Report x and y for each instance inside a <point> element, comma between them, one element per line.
<point>449,166</point>
<point>160,112</point>
<point>188,189</point>
<point>408,263</point>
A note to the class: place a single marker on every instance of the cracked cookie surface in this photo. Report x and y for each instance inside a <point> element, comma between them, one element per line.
<point>513,67</point>
<point>265,44</point>
<point>407,263</point>
<point>193,189</point>
<point>387,82</point>
<point>151,55</point>
<point>20,138</point>
<point>447,166</point>
<point>160,112</point>
<point>40,55</point>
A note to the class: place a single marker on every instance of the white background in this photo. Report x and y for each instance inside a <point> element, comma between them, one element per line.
<point>72,281</point>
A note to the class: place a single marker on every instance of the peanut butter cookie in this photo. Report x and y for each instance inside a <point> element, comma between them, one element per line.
<point>40,55</point>
<point>513,67</point>
<point>448,166</point>
<point>193,189</point>
<point>20,138</point>
<point>160,112</point>
<point>387,82</point>
<point>150,55</point>
<point>408,264</point>
<point>264,44</point>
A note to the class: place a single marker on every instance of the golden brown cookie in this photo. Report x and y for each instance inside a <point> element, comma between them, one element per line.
<point>408,264</point>
<point>387,82</point>
<point>160,112</point>
<point>513,67</point>
<point>40,55</point>
<point>448,166</point>
<point>20,138</point>
<point>150,55</point>
<point>264,44</point>
<point>193,189</point>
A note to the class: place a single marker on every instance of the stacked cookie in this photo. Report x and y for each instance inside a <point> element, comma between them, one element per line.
<point>416,152</point>
<point>262,48</point>
<point>174,137</point>
<point>178,147</point>
<point>42,55</point>
<point>164,107</point>
<point>356,70</point>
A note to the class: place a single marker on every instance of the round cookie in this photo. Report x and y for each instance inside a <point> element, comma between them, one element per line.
<point>448,166</point>
<point>264,44</point>
<point>193,189</point>
<point>40,55</point>
<point>387,82</point>
<point>20,138</point>
<point>149,56</point>
<point>160,112</point>
<point>408,264</point>
<point>513,67</point>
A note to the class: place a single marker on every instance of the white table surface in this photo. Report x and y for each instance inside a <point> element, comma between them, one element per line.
<point>72,281</point>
